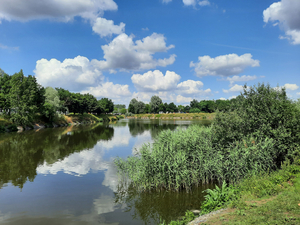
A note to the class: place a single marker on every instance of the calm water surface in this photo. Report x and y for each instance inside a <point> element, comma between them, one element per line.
<point>67,176</point>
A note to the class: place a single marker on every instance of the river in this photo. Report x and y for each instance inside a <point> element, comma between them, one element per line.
<point>66,176</point>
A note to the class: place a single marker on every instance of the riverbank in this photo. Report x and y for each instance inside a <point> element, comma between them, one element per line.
<point>175,116</point>
<point>60,121</point>
<point>268,198</point>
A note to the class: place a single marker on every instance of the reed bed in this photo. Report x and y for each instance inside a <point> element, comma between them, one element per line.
<point>178,160</point>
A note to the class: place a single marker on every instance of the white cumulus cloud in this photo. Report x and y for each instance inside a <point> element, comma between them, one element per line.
<point>288,87</point>
<point>235,88</point>
<point>71,74</point>
<point>124,53</point>
<point>189,2</point>
<point>190,86</point>
<point>167,87</point>
<point>204,3</point>
<point>286,13</point>
<point>155,81</point>
<point>109,90</point>
<point>105,27</point>
<point>223,65</point>
<point>243,78</point>
<point>62,10</point>
<point>291,87</point>
<point>182,99</point>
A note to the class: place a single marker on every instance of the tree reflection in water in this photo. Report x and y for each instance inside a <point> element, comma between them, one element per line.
<point>22,153</point>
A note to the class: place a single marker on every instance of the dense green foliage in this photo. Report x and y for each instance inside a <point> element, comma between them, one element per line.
<point>22,99</point>
<point>217,198</point>
<point>258,133</point>
<point>26,98</point>
<point>262,112</point>
<point>156,105</point>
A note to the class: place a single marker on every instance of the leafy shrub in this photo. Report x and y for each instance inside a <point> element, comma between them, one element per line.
<point>262,112</point>
<point>217,198</point>
<point>195,110</point>
<point>189,216</point>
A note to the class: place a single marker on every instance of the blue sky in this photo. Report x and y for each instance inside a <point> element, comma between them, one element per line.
<point>177,49</point>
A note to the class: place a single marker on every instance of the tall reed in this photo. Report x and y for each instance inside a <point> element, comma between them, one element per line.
<point>178,160</point>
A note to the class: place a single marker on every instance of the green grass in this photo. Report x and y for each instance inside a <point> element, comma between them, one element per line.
<point>267,198</point>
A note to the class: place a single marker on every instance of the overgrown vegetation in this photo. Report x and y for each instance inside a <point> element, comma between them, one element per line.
<point>189,216</point>
<point>264,198</point>
<point>260,131</point>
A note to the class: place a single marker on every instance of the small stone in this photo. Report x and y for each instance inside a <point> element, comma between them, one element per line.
<point>195,211</point>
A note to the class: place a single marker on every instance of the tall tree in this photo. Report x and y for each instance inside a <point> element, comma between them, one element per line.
<point>172,107</point>
<point>107,105</point>
<point>154,103</point>
<point>25,98</point>
<point>194,104</point>
<point>52,103</point>
<point>132,105</point>
<point>5,87</point>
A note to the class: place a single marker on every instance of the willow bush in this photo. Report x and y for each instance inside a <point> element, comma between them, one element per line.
<point>261,111</point>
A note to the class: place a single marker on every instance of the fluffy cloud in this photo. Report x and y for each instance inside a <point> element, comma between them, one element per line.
<point>288,87</point>
<point>286,13</point>
<point>72,74</point>
<point>291,87</point>
<point>235,88</point>
<point>191,2</point>
<point>105,27</point>
<point>123,53</point>
<point>204,3</point>
<point>167,87</point>
<point>109,90</point>
<point>190,86</point>
<point>155,81</point>
<point>243,78</point>
<point>63,10</point>
<point>181,99</point>
<point>224,65</point>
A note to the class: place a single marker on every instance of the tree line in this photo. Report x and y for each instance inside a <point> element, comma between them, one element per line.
<point>22,98</point>
<point>156,105</point>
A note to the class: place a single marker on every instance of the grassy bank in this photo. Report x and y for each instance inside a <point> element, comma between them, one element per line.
<point>267,198</point>
<point>208,116</point>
